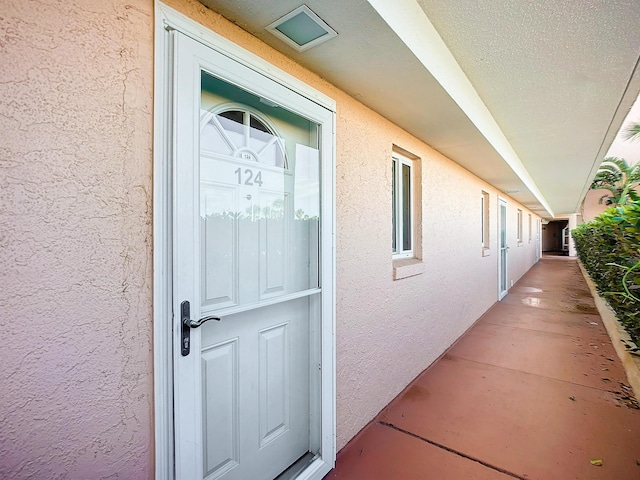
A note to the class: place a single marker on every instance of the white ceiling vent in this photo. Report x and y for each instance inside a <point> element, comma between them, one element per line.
<point>302,29</point>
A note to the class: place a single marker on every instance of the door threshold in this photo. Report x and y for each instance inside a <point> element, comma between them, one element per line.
<point>297,467</point>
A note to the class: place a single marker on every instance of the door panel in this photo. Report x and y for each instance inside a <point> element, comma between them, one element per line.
<point>220,400</point>
<point>246,250</point>
<point>274,228</point>
<point>219,244</point>
<point>259,398</point>
<point>274,382</point>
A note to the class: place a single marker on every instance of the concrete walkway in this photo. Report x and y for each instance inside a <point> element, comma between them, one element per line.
<point>533,391</point>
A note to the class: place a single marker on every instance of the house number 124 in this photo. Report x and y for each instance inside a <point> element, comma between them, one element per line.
<point>250,177</point>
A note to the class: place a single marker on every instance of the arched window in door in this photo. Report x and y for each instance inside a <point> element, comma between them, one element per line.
<point>244,133</point>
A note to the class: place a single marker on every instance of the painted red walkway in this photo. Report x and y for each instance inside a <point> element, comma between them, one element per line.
<point>533,391</point>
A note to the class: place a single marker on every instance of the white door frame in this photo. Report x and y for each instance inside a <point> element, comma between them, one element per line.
<point>167,19</point>
<point>502,293</point>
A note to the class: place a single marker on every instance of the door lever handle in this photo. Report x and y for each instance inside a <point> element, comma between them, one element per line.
<point>188,324</point>
<point>196,323</point>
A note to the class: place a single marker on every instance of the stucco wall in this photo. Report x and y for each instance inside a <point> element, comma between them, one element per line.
<point>389,331</point>
<point>75,239</point>
<point>591,207</point>
<point>75,229</point>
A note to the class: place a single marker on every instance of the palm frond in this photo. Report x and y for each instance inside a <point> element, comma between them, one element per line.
<point>632,132</point>
<point>618,177</point>
<point>615,162</point>
<point>633,195</point>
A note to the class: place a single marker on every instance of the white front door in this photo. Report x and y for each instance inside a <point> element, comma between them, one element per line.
<point>565,239</point>
<point>247,261</point>
<point>503,249</point>
<point>538,239</point>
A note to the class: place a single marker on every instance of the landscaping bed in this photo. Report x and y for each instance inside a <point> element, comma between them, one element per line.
<point>609,251</point>
<point>609,248</point>
<point>619,336</point>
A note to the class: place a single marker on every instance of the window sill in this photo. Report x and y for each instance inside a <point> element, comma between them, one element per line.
<point>407,267</point>
<point>486,252</point>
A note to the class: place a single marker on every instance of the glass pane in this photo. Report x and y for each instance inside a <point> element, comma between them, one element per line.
<point>232,123</point>
<point>485,219</point>
<point>503,226</point>
<point>260,221</point>
<point>482,217</point>
<point>406,207</point>
<point>214,138</point>
<point>394,206</point>
<point>265,143</point>
<point>503,247</point>
<point>234,116</point>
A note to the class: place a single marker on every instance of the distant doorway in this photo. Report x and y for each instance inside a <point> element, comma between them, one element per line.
<point>555,237</point>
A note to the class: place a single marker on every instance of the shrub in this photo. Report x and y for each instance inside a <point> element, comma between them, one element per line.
<point>609,248</point>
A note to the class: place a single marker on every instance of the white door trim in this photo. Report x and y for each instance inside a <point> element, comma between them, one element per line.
<point>168,19</point>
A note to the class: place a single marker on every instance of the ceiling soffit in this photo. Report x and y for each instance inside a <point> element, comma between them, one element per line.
<point>520,93</point>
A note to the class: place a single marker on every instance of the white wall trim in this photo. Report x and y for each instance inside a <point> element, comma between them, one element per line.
<point>162,271</point>
<point>168,19</point>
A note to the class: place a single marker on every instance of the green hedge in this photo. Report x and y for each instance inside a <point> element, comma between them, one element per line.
<point>609,248</point>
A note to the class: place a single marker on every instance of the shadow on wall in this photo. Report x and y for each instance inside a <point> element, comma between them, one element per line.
<point>555,237</point>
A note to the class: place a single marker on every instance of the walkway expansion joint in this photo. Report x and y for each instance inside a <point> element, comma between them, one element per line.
<point>450,450</point>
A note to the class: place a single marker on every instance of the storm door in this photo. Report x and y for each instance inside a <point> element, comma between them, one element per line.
<point>537,240</point>
<point>247,270</point>
<point>503,249</point>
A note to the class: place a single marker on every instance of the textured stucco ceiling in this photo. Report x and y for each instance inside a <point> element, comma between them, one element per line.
<point>557,77</point>
<point>552,73</point>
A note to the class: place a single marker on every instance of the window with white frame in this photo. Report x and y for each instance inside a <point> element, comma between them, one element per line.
<point>519,226</point>
<point>403,205</point>
<point>530,226</point>
<point>485,220</point>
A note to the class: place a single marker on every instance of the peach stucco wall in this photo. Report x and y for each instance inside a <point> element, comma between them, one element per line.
<point>76,397</point>
<point>591,206</point>
<point>389,331</point>
<point>75,230</point>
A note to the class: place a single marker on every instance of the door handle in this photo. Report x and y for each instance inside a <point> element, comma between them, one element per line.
<point>196,323</point>
<point>188,324</point>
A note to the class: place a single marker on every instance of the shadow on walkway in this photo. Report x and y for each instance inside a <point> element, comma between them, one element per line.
<point>533,391</point>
